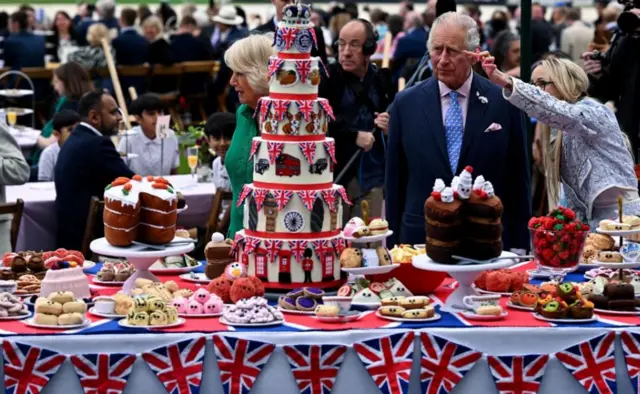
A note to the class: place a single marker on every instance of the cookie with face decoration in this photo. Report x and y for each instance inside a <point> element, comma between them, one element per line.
<point>415,314</point>
<point>195,308</point>
<point>140,319</point>
<point>172,314</point>
<point>140,304</point>
<point>156,304</point>
<point>201,296</point>
<point>391,311</point>
<point>157,318</point>
<point>383,256</point>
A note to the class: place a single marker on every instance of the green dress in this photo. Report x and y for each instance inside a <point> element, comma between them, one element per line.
<point>239,168</point>
<point>47,130</point>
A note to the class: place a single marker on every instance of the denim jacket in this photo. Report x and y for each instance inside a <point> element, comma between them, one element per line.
<point>595,164</point>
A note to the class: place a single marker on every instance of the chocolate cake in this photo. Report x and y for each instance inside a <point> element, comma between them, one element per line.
<point>483,222</point>
<point>444,218</point>
<point>621,297</point>
<point>218,255</point>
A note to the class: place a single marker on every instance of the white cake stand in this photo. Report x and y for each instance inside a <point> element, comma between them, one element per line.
<point>367,241</point>
<point>139,256</point>
<point>464,274</point>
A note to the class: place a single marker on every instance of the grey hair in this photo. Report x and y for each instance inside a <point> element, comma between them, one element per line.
<point>250,56</point>
<point>462,21</point>
<point>106,8</point>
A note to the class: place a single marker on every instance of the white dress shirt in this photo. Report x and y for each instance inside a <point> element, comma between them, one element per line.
<point>463,98</point>
<point>152,159</point>
<point>47,163</point>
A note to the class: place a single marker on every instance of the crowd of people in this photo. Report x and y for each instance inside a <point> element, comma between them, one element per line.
<point>464,104</point>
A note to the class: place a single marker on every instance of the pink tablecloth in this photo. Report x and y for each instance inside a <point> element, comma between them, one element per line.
<point>39,222</point>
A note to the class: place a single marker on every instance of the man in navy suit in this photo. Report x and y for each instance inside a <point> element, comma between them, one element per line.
<point>227,30</point>
<point>432,136</point>
<point>411,46</point>
<point>131,48</point>
<point>23,48</point>
<point>87,162</point>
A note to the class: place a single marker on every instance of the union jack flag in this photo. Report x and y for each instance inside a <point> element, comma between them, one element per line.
<point>329,196</point>
<point>327,108</point>
<point>297,248</point>
<point>255,144</point>
<point>282,197</point>
<point>259,196</point>
<point>304,67</point>
<point>273,247</point>
<point>288,36</point>
<point>27,369</point>
<point>280,107</point>
<point>330,147</point>
<point>264,108</point>
<point>308,150</point>
<point>251,244</point>
<point>308,198</point>
<point>306,108</point>
<point>274,65</point>
<point>592,363</point>
<point>103,373</point>
<point>237,240</point>
<point>338,245</point>
<point>274,149</point>
<point>343,194</point>
<point>631,348</point>
<point>443,363</point>
<point>245,192</point>
<point>179,366</point>
<point>388,360</point>
<point>240,362</point>
<point>315,367</point>
<point>320,246</point>
<point>518,374</point>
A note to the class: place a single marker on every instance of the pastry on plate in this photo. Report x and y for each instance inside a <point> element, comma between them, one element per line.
<point>422,313</point>
<point>489,310</point>
<point>68,319</point>
<point>392,301</point>
<point>600,241</point>
<point>581,309</point>
<point>392,310</point>
<point>612,225</point>
<point>415,302</point>
<point>378,226</point>
<point>555,310</point>
<point>327,310</point>
<point>608,256</point>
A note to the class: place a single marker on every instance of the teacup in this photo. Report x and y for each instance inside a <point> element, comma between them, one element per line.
<point>104,305</point>
<point>630,251</point>
<point>344,303</point>
<point>475,302</point>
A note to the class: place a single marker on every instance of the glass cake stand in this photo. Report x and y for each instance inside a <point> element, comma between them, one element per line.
<point>465,274</point>
<point>140,256</point>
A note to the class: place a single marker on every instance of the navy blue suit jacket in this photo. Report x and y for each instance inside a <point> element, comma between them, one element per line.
<point>24,49</point>
<point>86,164</point>
<point>131,48</point>
<point>187,48</point>
<point>417,156</point>
<point>411,46</point>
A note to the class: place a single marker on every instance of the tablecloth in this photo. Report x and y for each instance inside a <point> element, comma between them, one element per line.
<point>39,222</point>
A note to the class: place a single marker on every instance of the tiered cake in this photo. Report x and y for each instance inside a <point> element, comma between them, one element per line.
<point>292,211</point>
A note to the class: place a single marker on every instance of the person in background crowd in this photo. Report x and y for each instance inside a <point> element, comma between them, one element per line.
<point>15,171</point>
<point>63,38</point>
<point>227,30</point>
<point>394,25</point>
<point>576,37</point>
<point>219,130</point>
<point>93,56</point>
<point>359,94</point>
<point>31,16</point>
<point>63,123</point>
<point>559,23</point>
<point>411,47</point>
<point>317,50</point>
<point>590,157</point>
<point>428,16</point>
<point>446,123</point>
<point>87,162</point>
<point>130,47</point>
<point>336,23</point>
<point>143,13</point>
<point>405,8</point>
<point>352,9</point>
<point>159,48</point>
<point>499,22</point>
<point>107,12</point>
<point>318,20</point>
<point>82,21</point>
<point>605,30</point>
<point>506,50</point>
<point>473,10</point>
<point>185,46</point>
<point>541,32</point>
<point>378,19</point>
<point>4,24</point>
<point>23,48</point>
<point>248,59</point>
<point>168,15</point>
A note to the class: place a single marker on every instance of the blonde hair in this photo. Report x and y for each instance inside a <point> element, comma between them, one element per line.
<point>154,21</point>
<point>572,84</point>
<point>250,56</point>
<point>96,33</point>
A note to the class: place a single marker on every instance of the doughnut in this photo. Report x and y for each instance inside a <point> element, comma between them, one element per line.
<point>74,307</point>
<point>67,319</point>
<point>45,320</point>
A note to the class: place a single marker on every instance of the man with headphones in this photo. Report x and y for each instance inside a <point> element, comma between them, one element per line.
<point>359,94</point>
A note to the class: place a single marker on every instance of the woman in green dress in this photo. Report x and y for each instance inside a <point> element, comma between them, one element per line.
<point>248,59</point>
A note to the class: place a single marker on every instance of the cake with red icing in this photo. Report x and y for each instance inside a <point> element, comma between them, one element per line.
<point>140,209</point>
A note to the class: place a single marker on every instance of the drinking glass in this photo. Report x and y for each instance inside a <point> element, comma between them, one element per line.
<point>192,159</point>
<point>12,118</point>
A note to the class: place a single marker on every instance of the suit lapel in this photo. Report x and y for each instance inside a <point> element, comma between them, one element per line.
<point>475,112</point>
<point>432,111</point>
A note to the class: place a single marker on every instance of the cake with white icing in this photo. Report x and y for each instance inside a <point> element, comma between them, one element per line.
<point>292,210</point>
<point>140,209</point>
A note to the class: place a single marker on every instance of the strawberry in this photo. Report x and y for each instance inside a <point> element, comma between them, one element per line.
<point>564,255</point>
<point>555,261</point>
<point>569,214</point>
<point>547,254</point>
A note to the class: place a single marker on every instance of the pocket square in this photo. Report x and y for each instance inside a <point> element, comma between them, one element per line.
<point>493,127</point>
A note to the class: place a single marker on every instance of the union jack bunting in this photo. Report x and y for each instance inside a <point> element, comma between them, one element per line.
<point>27,369</point>
<point>329,196</point>
<point>308,150</point>
<point>343,194</point>
<point>631,347</point>
<point>388,360</point>
<point>319,246</point>
<point>245,192</point>
<point>308,198</point>
<point>327,108</point>
<point>255,144</point>
<point>264,108</point>
<point>338,245</point>
<point>103,373</point>
<point>282,198</point>
<point>306,108</point>
<point>518,374</point>
<point>297,248</point>
<point>330,147</point>
<point>315,367</point>
<point>304,68</point>
<point>280,108</point>
<point>259,195</point>
<point>273,247</point>
<point>178,366</point>
<point>592,363</point>
<point>237,241</point>
<point>274,65</point>
<point>251,244</point>
<point>443,363</point>
<point>274,149</point>
<point>240,362</point>
<point>288,35</point>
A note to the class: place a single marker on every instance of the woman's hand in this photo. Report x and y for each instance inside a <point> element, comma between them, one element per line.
<point>496,76</point>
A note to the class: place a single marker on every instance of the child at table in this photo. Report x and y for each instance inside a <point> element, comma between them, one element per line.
<point>63,123</point>
<point>219,130</point>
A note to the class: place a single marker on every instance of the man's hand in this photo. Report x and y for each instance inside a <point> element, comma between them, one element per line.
<point>591,66</point>
<point>365,140</point>
<point>382,121</point>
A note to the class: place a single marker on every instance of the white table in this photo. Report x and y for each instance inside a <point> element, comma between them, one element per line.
<point>26,137</point>
<point>39,222</point>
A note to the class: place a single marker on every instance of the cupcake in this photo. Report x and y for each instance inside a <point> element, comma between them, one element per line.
<point>306,304</point>
<point>35,263</point>
<point>19,264</point>
<point>313,292</point>
<point>218,255</point>
<point>554,310</point>
<point>581,309</point>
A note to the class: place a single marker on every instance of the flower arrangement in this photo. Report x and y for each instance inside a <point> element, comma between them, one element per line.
<point>194,136</point>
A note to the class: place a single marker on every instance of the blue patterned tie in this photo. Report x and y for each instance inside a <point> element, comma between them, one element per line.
<point>453,126</point>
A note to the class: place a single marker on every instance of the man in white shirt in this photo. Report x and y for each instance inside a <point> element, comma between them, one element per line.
<point>63,123</point>
<point>147,154</point>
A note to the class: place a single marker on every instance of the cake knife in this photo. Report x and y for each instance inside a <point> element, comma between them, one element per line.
<point>162,247</point>
<point>468,261</point>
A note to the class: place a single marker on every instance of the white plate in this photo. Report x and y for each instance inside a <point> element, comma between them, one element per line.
<point>565,320</point>
<point>19,111</point>
<point>476,317</point>
<point>112,283</point>
<point>383,269</point>
<point>617,313</point>
<point>482,291</point>
<point>106,315</point>
<point>200,316</point>
<point>538,274</point>
<point>371,238</point>
<point>15,92</point>
<point>520,307</point>
<point>158,269</point>
<point>88,264</point>
<point>180,210</point>
<point>125,324</point>
<point>339,319</point>
<point>619,233</point>
<point>200,278</point>
<point>615,266</point>
<point>370,305</point>
<point>31,323</point>
<point>292,312</point>
<point>18,317</point>
<point>402,319</point>
<point>273,323</point>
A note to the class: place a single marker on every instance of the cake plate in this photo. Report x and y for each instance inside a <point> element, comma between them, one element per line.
<point>139,256</point>
<point>464,274</point>
<point>367,241</point>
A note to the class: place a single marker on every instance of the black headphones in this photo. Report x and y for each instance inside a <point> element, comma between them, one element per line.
<point>371,41</point>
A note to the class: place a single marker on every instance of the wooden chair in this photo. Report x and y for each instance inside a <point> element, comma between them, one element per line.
<point>136,76</point>
<point>213,224</point>
<point>95,212</point>
<point>16,209</point>
<point>171,77</point>
<point>199,70</point>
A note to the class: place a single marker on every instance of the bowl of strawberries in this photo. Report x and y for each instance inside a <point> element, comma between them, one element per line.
<point>557,241</point>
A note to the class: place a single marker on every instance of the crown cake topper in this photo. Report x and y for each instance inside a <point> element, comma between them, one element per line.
<point>297,13</point>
